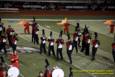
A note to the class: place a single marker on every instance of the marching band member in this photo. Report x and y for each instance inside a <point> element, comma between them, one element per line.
<point>95,46</point>
<point>43,42</point>
<point>51,45</point>
<point>69,48</point>
<point>60,43</point>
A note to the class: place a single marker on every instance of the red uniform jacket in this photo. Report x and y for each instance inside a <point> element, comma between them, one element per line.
<point>1,72</point>
<point>43,39</point>
<point>112,28</point>
<point>113,46</point>
<point>68,43</point>
<point>50,41</point>
<point>14,40</point>
<point>14,59</point>
<point>34,26</point>
<point>85,37</point>
<point>74,35</point>
<point>9,30</point>
<point>66,27</point>
<point>49,73</point>
<point>59,41</point>
<point>94,42</point>
<point>26,25</point>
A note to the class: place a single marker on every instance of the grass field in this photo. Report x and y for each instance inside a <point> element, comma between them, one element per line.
<point>32,63</point>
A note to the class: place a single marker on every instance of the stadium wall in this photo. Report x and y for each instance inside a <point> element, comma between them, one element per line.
<point>56,13</point>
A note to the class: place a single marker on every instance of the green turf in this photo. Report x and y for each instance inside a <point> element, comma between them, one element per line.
<point>31,64</point>
<point>104,40</point>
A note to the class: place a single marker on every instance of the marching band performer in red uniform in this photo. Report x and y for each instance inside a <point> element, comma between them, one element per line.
<point>69,48</point>
<point>43,42</point>
<point>14,59</point>
<point>95,45</point>
<point>35,35</point>
<point>51,45</point>
<point>76,38</point>
<point>60,43</point>
<point>113,49</point>
<point>9,33</point>
<point>88,41</point>
<point>66,27</point>
<point>75,41</point>
<point>65,24</point>
<point>84,38</point>
<point>3,44</point>
<point>110,24</point>
<point>34,26</point>
<point>26,27</point>
<point>14,42</point>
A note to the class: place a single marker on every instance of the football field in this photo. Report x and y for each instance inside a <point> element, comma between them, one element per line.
<point>32,63</point>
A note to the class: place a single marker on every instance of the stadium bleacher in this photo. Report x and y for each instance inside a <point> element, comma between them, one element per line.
<point>59,4</point>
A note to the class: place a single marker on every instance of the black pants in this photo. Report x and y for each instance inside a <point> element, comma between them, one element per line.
<point>59,53</point>
<point>32,37</point>
<point>42,48</point>
<point>69,52</point>
<point>71,74</point>
<point>14,47</point>
<point>94,50</point>
<point>36,39</point>
<point>87,49</point>
<point>83,46</point>
<point>0,33</point>
<point>113,53</point>
<point>75,45</point>
<point>79,41</point>
<point>51,48</point>
<point>9,41</point>
<point>3,46</point>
